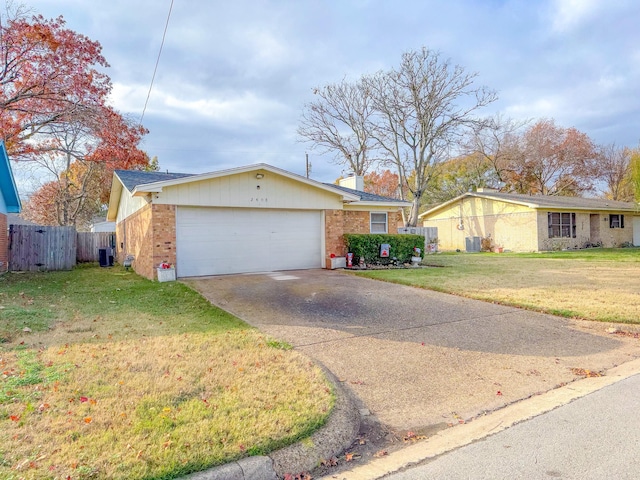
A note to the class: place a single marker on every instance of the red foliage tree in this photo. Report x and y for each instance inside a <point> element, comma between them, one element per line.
<point>46,71</point>
<point>54,113</point>
<point>551,160</point>
<point>385,183</point>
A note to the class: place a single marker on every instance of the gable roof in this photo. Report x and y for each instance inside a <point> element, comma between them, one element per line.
<point>8,188</point>
<point>151,182</point>
<point>140,183</point>
<point>544,201</point>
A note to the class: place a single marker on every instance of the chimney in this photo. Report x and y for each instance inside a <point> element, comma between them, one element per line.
<point>354,182</point>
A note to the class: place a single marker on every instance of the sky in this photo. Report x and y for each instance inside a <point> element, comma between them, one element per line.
<point>233,76</point>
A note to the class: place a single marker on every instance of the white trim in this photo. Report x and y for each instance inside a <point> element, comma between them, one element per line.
<point>386,222</point>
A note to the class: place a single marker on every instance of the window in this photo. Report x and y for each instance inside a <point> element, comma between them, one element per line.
<point>562,225</point>
<point>378,222</point>
<point>616,220</point>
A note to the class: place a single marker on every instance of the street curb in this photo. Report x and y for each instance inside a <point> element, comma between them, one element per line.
<point>336,435</point>
<point>461,435</point>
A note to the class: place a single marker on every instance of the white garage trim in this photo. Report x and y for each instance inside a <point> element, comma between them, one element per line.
<point>217,241</point>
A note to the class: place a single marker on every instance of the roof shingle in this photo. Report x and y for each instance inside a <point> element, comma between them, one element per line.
<point>365,196</point>
<point>132,178</point>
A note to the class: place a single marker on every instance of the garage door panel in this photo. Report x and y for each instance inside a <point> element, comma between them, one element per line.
<point>214,241</point>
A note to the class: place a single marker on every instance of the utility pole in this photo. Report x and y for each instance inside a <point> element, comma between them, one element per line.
<point>308,165</point>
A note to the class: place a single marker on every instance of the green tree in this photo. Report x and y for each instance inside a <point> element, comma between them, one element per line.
<point>635,173</point>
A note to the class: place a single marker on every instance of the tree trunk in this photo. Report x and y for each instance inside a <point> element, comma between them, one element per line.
<point>413,214</point>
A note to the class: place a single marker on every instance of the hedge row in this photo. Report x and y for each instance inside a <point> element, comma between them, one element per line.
<point>368,246</point>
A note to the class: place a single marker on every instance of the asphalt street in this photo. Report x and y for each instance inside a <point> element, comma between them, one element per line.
<point>594,437</point>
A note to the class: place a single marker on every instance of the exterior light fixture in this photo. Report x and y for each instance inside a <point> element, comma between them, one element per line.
<point>259,176</point>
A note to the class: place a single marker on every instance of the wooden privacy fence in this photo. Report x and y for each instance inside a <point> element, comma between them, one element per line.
<point>88,244</point>
<point>33,248</point>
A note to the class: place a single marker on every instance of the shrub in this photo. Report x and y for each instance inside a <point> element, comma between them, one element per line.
<point>368,246</point>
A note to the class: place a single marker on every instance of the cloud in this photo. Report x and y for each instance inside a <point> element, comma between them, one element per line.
<point>227,110</point>
<point>568,15</point>
<point>233,76</point>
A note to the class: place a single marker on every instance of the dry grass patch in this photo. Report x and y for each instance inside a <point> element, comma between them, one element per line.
<point>140,393</point>
<point>598,284</point>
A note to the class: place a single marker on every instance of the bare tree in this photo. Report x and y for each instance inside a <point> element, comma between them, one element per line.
<point>496,141</point>
<point>423,108</point>
<point>338,121</point>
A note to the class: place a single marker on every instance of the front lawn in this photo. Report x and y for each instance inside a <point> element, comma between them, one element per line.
<point>595,284</point>
<point>104,374</point>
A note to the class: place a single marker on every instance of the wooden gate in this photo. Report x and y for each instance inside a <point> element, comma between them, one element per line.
<point>33,248</point>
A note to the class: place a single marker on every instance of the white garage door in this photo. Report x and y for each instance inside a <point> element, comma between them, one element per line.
<point>215,241</point>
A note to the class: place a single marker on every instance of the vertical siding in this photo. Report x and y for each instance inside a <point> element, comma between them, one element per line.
<point>512,227</point>
<point>241,190</point>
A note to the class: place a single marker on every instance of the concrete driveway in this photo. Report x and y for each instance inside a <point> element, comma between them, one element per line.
<point>417,360</point>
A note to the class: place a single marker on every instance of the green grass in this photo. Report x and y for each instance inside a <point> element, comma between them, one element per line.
<point>120,377</point>
<point>594,284</point>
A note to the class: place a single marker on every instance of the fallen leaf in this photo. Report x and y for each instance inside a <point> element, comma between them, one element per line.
<point>499,393</point>
<point>331,462</point>
<point>87,419</point>
<point>84,399</point>
<point>381,453</point>
<point>585,373</point>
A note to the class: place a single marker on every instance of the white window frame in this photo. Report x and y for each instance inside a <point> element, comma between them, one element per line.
<point>616,220</point>
<point>378,222</point>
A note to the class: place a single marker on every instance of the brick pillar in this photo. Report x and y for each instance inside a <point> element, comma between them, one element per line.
<point>164,235</point>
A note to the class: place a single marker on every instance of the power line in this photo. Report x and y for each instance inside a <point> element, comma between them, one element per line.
<point>164,34</point>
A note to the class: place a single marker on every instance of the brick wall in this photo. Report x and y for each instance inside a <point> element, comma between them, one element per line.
<point>164,234</point>
<point>150,236</point>
<point>339,222</point>
<point>4,244</point>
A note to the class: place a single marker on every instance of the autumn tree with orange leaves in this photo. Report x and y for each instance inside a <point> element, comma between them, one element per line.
<point>54,116</point>
<point>385,184</point>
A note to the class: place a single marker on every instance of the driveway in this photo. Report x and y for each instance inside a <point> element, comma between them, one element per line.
<point>417,360</point>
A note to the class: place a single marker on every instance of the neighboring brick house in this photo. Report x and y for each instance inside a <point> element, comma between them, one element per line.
<point>9,203</point>
<point>529,223</point>
<point>248,219</point>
